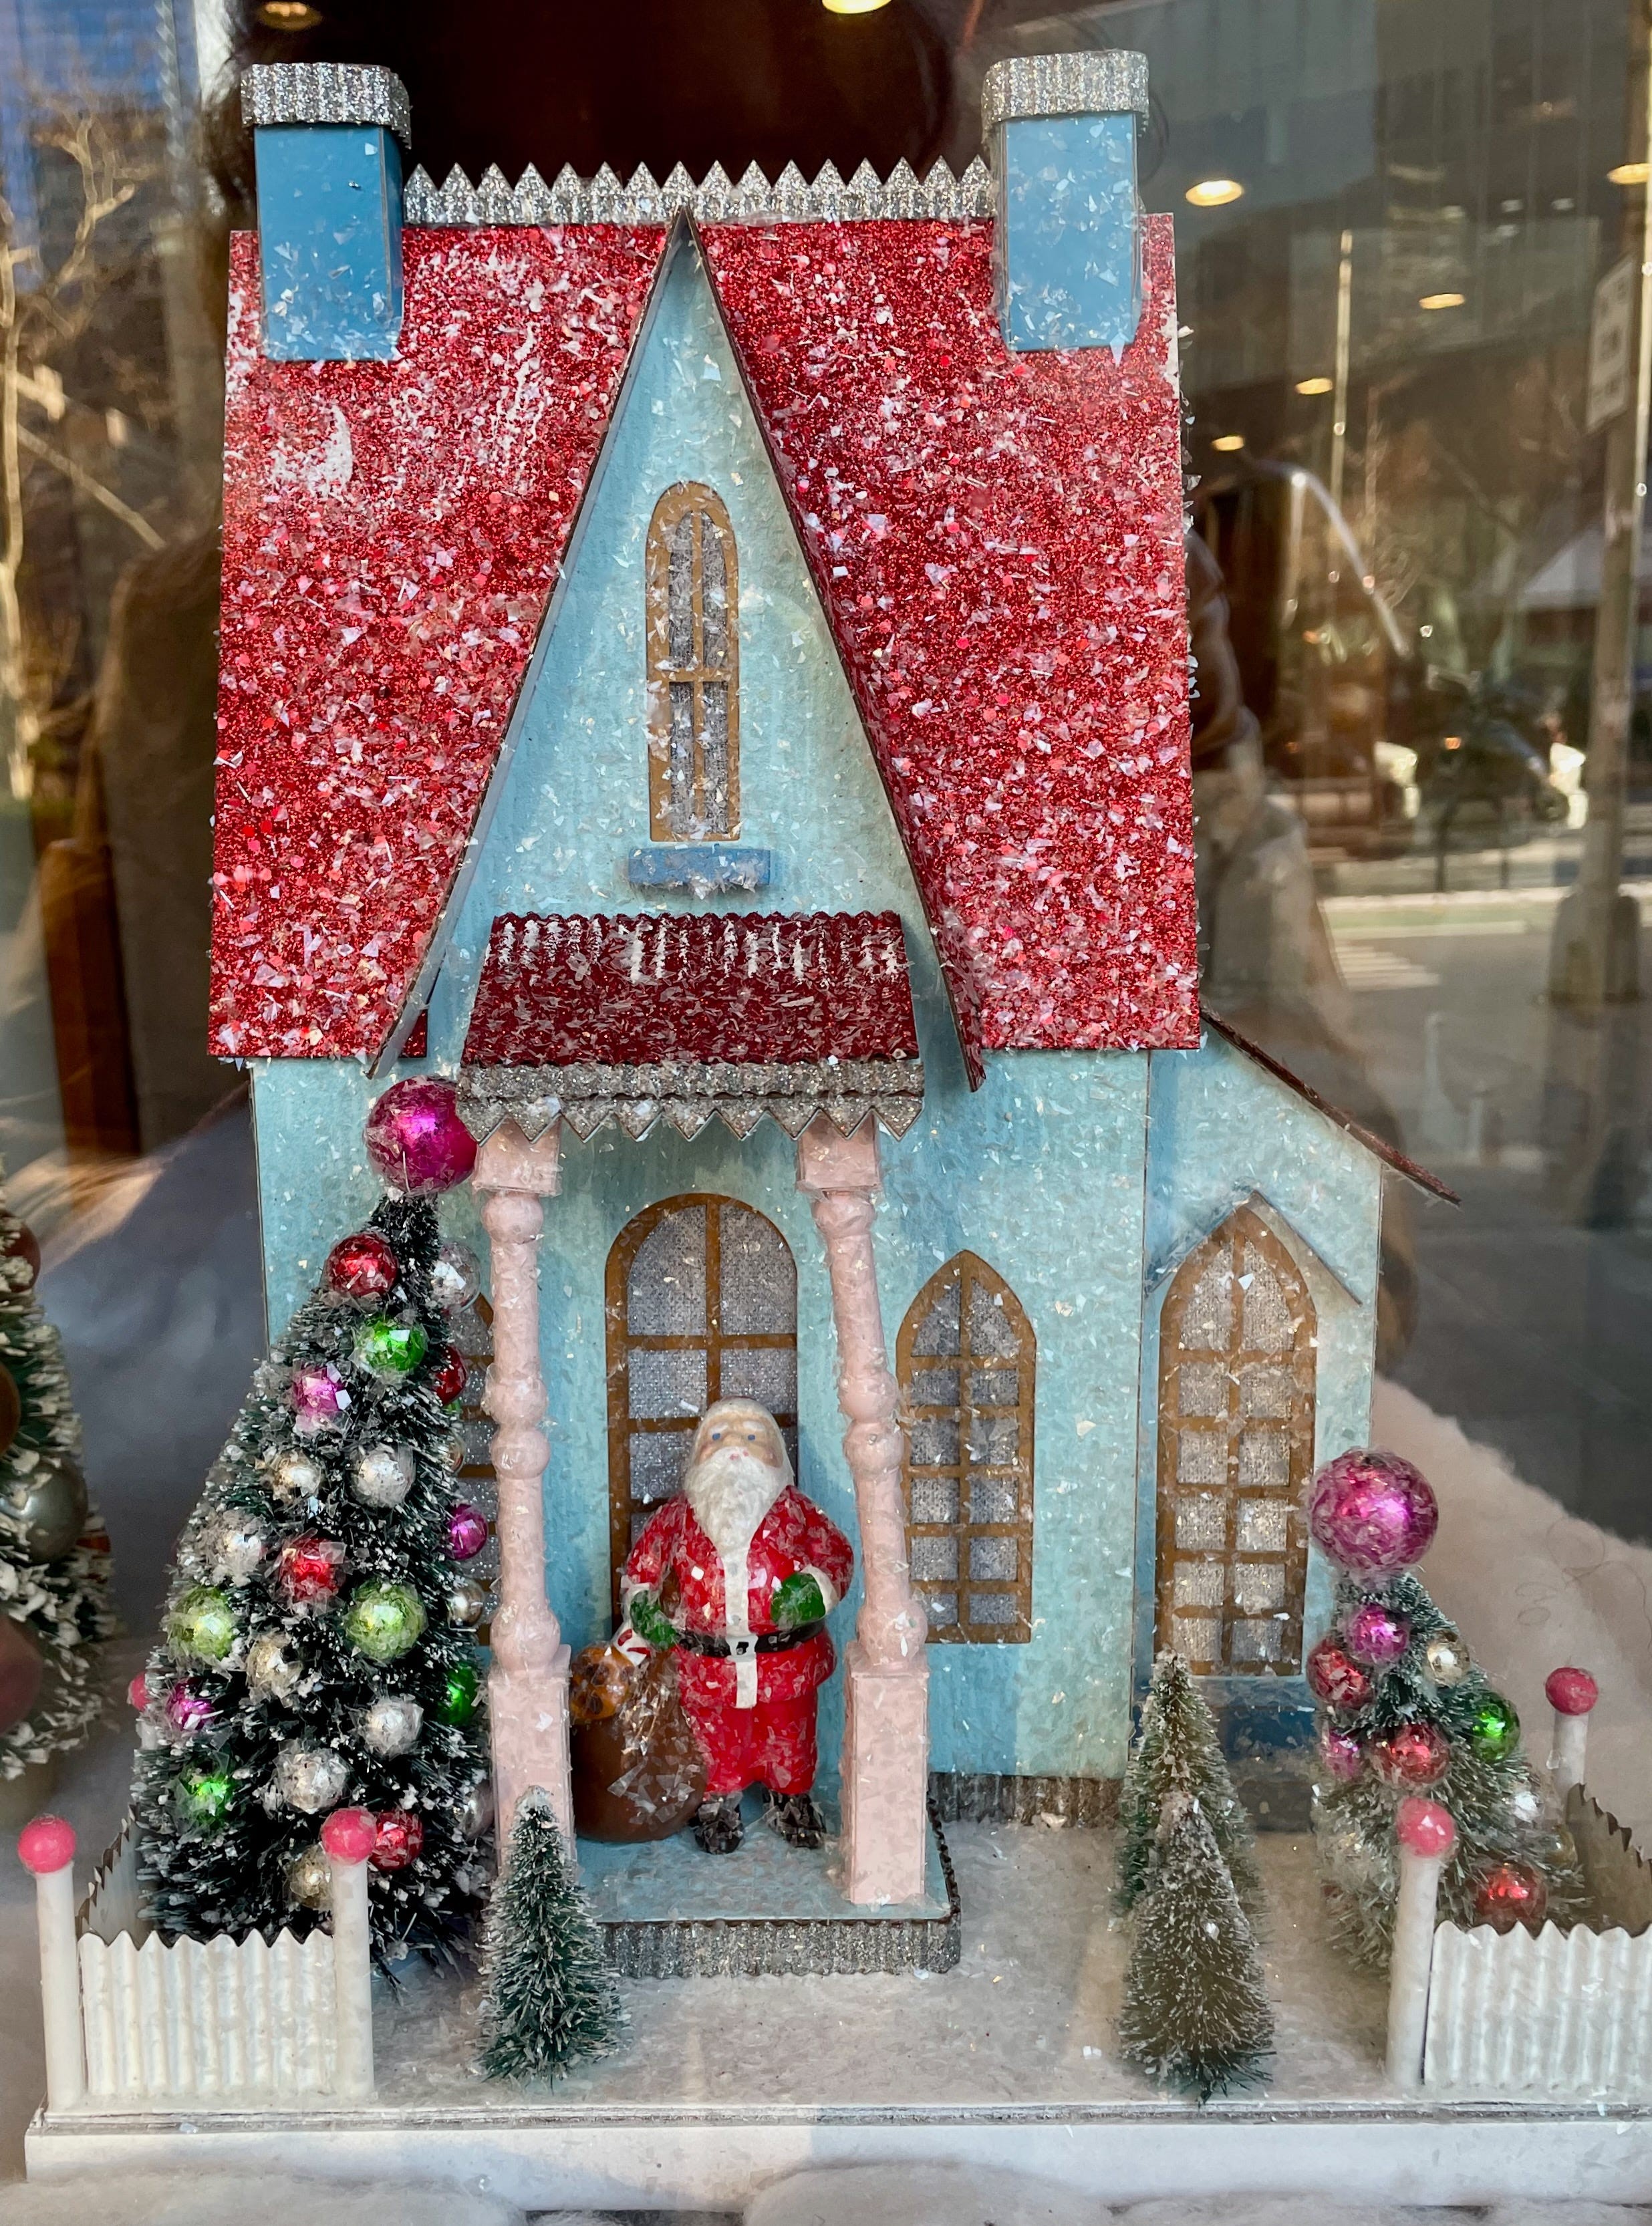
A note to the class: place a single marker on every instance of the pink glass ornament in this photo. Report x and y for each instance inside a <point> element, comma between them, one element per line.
<point>137,1694</point>
<point>1425,1827</point>
<point>188,1711</point>
<point>46,1844</point>
<point>1341,1753</point>
<point>1373,1513</point>
<point>466,1531</point>
<point>350,1834</point>
<point>1412,1757</point>
<point>1335,1678</point>
<point>1571,1692</point>
<point>1375,1634</point>
<point>416,1139</point>
<point>318,1396</point>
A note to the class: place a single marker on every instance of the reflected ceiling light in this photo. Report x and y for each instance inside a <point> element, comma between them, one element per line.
<point>1630,174</point>
<point>289,15</point>
<point>1214,193</point>
<point>1316,385</point>
<point>854,7</point>
<point>1441,301</point>
<point>1228,442</point>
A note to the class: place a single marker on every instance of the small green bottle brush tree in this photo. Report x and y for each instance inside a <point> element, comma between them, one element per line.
<point>550,1998</point>
<point>318,1649</point>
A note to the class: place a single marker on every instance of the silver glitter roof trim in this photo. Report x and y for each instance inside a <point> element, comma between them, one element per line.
<point>690,1093</point>
<point>606,198</point>
<point>324,92</point>
<point>1095,82</point>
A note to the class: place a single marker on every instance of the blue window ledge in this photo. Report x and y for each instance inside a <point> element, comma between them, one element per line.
<point>704,868</point>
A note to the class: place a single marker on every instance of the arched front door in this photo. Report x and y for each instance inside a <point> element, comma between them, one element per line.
<point>1236,1450</point>
<point>702,1305</point>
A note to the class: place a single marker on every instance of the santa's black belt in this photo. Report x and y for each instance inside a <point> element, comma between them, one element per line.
<point>767,1641</point>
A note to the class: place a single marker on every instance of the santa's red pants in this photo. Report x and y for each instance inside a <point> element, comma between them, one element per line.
<point>771,1745</point>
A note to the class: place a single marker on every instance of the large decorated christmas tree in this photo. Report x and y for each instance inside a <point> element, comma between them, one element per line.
<point>53,1557</point>
<point>317,1646</point>
<point>1404,1710</point>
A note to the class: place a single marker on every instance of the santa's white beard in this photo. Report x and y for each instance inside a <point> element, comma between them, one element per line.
<point>730,1491</point>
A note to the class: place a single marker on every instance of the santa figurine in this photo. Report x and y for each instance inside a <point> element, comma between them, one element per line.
<point>739,1573</point>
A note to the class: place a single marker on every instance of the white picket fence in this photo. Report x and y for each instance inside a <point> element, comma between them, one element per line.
<point>1552,2012</point>
<point>216,2021</point>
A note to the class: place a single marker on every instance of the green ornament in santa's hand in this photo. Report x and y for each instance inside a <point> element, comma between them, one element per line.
<point>1494,1729</point>
<point>799,1599</point>
<point>651,1623</point>
<point>391,1349</point>
<point>383,1620</point>
<point>202,1624</point>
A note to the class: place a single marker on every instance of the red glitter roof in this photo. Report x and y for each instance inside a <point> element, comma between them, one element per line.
<point>643,988</point>
<point>996,539</point>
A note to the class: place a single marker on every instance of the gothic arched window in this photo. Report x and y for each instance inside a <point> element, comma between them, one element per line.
<point>965,1359</point>
<point>693,590</point>
<point>1236,1450</point>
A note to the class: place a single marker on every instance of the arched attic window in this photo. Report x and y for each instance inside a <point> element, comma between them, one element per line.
<point>693,630</point>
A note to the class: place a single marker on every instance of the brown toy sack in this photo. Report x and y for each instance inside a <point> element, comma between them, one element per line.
<point>638,1772</point>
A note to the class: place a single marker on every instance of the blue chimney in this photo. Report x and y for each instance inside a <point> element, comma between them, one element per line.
<point>1060,133</point>
<point>329,207</point>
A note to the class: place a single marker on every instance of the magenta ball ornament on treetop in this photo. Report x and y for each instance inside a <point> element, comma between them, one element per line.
<point>1373,1513</point>
<point>416,1139</point>
<point>1340,1754</point>
<point>1411,1757</point>
<point>1571,1692</point>
<point>1335,1678</point>
<point>1375,1634</point>
<point>362,1267</point>
<point>466,1531</point>
<point>1424,1827</point>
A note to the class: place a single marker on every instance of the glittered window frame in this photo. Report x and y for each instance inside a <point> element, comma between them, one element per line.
<point>1220,1486</point>
<point>693,668</point>
<point>969,1543</point>
<point>715,1339</point>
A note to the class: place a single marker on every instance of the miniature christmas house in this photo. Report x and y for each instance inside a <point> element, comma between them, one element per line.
<point>707,666</point>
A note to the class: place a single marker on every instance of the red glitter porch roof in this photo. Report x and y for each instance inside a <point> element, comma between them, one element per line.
<point>996,540</point>
<point>649,990</point>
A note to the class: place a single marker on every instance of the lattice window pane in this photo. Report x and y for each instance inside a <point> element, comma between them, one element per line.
<point>768,1373</point>
<point>993,1610</point>
<point>672,1383</point>
<point>1267,1324</point>
<point>665,1293</point>
<point>995,1440</point>
<point>934,1441</point>
<point>994,1558</point>
<point>940,1331</point>
<point>656,1462</point>
<point>935,1499</point>
<point>934,1558</point>
<point>1256,1640</point>
<point>994,1387</point>
<point>994,1499</point>
<point>1264,1457</point>
<point>1199,1638</point>
<point>714,601</point>
<point>1207,1323</point>
<point>1202,1458</point>
<point>942,1609</point>
<point>759,1277</point>
<point>1201,1522</point>
<point>1201,1387</point>
<point>1262,1526</point>
<point>1265,1392</point>
<point>990,1332</point>
<point>693,655</point>
<point>679,626</point>
<point>1258,1586</point>
<point>1199,1584</point>
<point>935,1387</point>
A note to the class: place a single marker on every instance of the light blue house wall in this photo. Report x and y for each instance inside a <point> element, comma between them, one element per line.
<point>1044,1172</point>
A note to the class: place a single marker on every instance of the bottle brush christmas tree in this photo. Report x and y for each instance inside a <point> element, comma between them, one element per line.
<point>1403,1710</point>
<point>317,1648</point>
<point>54,1558</point>
<point>1178,1750</point>
<point>549,1996</point>
<point>1196,2013</point>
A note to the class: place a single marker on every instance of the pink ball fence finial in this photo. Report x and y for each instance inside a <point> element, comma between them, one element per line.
<point>137,1693</point>
<point>1571,1692</point>
<point>349,1835</point>
<point>1424,1827</point>
<point>47,1844</point>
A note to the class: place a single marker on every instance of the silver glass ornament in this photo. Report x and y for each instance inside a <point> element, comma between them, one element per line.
<point>232,1546</point>
<point>391,1724</point>
<point>310,1778</point>
<point>467,1600</point>
<point>1447,1659</point>
<point>50,1502</point>
<point>476,1809</point>
<point>383,1475</point>
<point>274,1666</point>
<point>309,1879</point>
<point>456,1277</point>
<point>293,1475</point>
<point>452,1453</point>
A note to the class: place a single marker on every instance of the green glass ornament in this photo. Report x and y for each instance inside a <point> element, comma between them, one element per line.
<point>459,1701</point>
<point>383,1620</point>
<point>202,1624</point>
<point>1494,1729</point>
<point>390,1348</point>
<point>203,1797</point>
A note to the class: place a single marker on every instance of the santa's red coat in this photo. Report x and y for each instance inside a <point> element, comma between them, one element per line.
<point>793,1536</point>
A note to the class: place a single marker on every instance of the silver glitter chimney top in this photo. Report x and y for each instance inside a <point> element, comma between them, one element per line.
<point>325,92</point>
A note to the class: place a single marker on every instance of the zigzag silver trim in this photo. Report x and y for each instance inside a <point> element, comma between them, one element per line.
<point>605,199</point>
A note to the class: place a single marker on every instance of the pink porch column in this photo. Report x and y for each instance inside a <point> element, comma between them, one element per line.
<point>886,1731</point>
<point>527,1689</point>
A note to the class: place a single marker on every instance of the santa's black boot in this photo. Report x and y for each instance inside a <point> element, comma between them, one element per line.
<point>797,1821</point>
<point>718,1825</point>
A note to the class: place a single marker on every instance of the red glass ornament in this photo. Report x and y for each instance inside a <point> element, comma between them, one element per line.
<point>363,1266</point>
<point>1373,1513</point>
<point>397,1836</point>
<point>311,1569</point>
<point>1510,1895</point>
<point>452,1377</point>
<point>466,1531</point>
<point>1424,1827</point>
<point>11,1408</point>
<point>416,1139</point>
<point>1571,1692</point>
<point>1412,1757</point>
<point>1336,1678</point>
